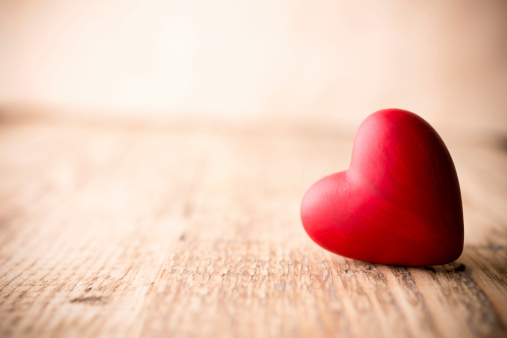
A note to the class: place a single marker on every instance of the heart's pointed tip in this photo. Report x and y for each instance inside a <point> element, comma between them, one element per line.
<point>410,262</point>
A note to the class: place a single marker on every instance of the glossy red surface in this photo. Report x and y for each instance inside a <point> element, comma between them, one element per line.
<point>398,203</point>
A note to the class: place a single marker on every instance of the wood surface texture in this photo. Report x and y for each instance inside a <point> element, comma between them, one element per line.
<point>193,230</point>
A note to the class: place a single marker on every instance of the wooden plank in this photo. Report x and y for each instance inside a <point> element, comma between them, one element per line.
<point>139,232</point>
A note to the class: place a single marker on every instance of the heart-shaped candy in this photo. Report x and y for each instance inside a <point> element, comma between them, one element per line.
<point>398,203</point>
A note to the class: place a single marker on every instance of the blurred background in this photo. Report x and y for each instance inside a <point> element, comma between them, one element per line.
<point>330,61</point>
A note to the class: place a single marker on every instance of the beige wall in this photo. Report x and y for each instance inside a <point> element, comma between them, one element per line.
<point>335,59</point>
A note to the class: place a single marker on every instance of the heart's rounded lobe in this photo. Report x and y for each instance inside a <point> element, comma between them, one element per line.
<point>398,203</point>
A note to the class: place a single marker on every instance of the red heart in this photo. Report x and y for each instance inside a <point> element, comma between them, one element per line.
<point>398,203</point>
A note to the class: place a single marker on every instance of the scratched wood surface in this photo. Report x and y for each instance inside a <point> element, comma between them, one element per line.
<point>193,230</point>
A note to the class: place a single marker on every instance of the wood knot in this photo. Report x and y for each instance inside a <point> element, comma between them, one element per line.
<point>501,142</point>
<point>91,300</point>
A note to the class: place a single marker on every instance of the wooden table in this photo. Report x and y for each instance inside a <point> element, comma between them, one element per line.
<point>191,229</point>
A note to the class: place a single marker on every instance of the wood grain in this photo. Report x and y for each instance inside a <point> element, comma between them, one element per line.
<point>182,231</point>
